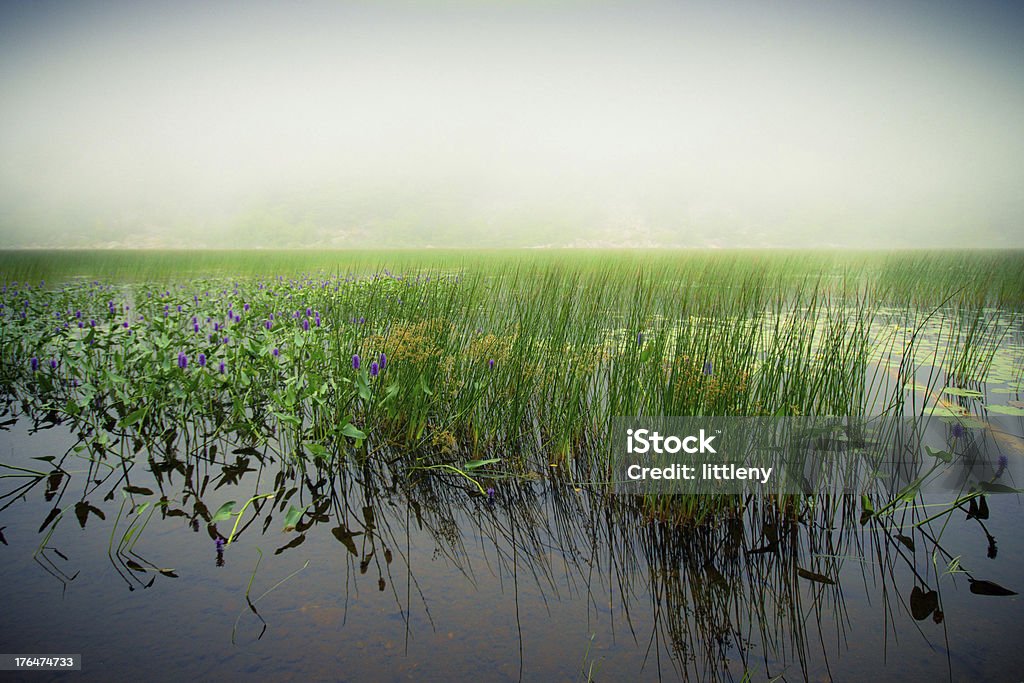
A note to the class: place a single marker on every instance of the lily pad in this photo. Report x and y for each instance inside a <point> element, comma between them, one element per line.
<point>1006,410</point>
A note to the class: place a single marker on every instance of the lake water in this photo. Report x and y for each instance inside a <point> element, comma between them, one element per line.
<point>398,575</point>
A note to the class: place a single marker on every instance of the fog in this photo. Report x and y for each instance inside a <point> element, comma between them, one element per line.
<point>581,124</point>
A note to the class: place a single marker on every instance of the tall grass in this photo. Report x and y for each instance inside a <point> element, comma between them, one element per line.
<point>522,356</point>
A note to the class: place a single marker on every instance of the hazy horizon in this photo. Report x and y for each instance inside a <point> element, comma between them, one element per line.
<point>530,124</point>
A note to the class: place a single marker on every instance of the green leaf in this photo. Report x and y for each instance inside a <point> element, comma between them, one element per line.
<point>867,510</point>
<point>223,512</point>
<point>287,419</point>
<point>291,518</point>
<point>945,411</point>
<point>1006,410</point>
<point>424,387</point>
<point>474,464</point>
<point>133,417</point>
<point>317,450</point>
<point>966,393</point>
<point>350,430</point>
<point>944,456</point>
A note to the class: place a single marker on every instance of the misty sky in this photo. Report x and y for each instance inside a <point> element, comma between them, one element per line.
<point>867,124</point>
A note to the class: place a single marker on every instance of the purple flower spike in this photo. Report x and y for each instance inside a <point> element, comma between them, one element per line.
<point>182,360</point>
<point>305,324</point>
<point>277,352</point>
<point>708,368</point>
<point>34,362</point>
<point>958,431</point>
<point>53,363</point>
<point>490,364</point>
<point>245,308</point>
<point>219,543</point>
<point>268,324</point>
<point>220,368</point>
<point>383,360</point>
<point>355,362</point>
<point>202,360</point>
<point>374,369</point>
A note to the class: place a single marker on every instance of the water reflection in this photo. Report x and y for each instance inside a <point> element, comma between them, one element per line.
<point>791,588</point>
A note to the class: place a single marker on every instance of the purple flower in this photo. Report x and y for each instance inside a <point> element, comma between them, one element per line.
<point>362,320</point>
<point>221,368</point>
<point>202,360</point>
<point>490,364</point>
<point>219,543</point>
<point>374,369</point>
<point>305,324</point>
<point>309,311</point>
<point>490,493</point>
<point>355,362</point>
<point>34,362</point>
<point>53,363</point>
<point>276,352</point>
<point>957,431</point>
<point>268,324</point>
<point>708,368</point>
<point>316,320</point>
<point>195,327</point>
<point>383,360</point>
<point>182,360</point>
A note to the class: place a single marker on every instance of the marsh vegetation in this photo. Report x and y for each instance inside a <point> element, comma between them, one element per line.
<point>423,440</point>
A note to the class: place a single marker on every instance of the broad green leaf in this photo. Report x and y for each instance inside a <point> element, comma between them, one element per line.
<point>966,393</point>
<point>133,417</point>
<point>223,512</point>
<point>291,518</point>
<point>1006,410</point>
<point>317,450</point>
<point>350,430</point>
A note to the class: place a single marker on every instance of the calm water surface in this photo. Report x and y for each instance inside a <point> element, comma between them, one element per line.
<point>396,576</point>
